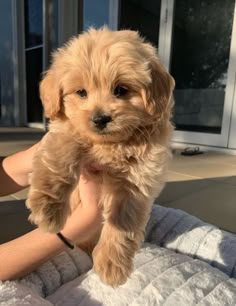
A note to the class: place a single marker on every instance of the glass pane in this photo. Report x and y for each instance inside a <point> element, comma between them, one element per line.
<point>0,99</point>
<point>96,13</point>
<point>33,22</point>
<point>142,16</point>
<point>200,56</point>
<point>33,76</point>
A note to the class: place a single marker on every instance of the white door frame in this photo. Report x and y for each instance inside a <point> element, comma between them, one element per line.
<point>165,31</point>
<point>113,14</point>
<point>228,130</point>
<point>232,72</point>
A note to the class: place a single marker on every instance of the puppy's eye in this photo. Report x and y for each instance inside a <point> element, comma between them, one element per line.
<point>120,91</point>
<point>82,93</point>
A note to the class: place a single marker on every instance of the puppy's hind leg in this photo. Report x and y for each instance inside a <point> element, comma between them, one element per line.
<point>55,171</point>
<point>125,217</point>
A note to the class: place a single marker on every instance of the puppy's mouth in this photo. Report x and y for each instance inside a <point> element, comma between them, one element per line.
<point>104,132</point>
<point>108,128</point>
<point>107,133</point>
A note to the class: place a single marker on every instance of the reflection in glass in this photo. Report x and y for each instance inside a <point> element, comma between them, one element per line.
<point>142,16</point>
<point>0,99</point>
<point>95,13</point>
<point>33,76</point>
<point>33,23</point>
<point>200,56</point>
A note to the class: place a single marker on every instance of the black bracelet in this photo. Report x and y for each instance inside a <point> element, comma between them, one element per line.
<point>66,242</point>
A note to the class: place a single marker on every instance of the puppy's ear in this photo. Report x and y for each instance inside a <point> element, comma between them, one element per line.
<point>51,96</point>
<point>158,96</point>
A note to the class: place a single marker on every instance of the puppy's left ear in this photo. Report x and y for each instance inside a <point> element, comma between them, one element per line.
<point>158,96</point>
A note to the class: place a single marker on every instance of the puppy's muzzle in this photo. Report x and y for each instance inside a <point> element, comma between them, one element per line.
<point>100,121</point>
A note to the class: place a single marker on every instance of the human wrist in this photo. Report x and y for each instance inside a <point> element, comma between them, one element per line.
<point>66,241</point>
<point>81,224</point>
<point>70,232</point>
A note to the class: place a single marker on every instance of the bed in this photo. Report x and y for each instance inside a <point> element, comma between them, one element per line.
<point>183,261</point>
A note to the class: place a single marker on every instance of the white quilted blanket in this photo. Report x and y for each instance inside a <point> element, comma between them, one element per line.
<point>183,262</point>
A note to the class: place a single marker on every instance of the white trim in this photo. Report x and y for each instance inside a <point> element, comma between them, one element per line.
<point>68,22</point>
<point>181,146</point>
<point>33,48</point>
<point>200,138</point>
<point>165,31</point>
<point>20,103</point>
<point>232,89</point>
<point>232,133</point>
<point>47,27</point>
<point>169,27</point>
<point>229,90</point>
<point>36,125</point>
<point>162,33</point>
<point>113,14</point>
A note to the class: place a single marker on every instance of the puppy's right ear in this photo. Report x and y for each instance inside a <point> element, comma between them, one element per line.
<point>51,96</point>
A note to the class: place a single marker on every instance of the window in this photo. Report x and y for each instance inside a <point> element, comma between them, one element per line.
<point>33,54</point>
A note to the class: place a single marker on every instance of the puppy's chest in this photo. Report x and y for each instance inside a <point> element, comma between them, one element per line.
<point>116,157</point>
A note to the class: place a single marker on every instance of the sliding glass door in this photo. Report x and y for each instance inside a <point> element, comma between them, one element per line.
<point>196,43</point>
<point>201,61</point>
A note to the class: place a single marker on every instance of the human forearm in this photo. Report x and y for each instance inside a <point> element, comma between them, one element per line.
<point>24,254</point>
<point>14,171</point>
<point>21,256</point>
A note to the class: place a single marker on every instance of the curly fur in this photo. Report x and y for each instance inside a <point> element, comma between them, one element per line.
<point>132,150</point>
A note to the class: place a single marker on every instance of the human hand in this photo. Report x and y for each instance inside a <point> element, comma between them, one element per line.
<point>86,219</point>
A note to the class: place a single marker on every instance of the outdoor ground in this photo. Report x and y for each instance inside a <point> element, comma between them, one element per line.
<point>203,185</point>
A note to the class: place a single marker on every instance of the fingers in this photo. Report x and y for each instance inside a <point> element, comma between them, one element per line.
<point>90,188</point>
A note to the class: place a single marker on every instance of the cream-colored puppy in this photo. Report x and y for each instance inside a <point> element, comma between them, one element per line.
<point>109,100</point>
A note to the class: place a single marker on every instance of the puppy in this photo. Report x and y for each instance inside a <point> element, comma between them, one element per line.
<point>109,100</point>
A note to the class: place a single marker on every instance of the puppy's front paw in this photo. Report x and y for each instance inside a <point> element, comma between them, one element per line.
<point>108,265</point>
<point>48,214</point>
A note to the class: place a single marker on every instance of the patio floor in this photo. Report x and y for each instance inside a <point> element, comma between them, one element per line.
<point>203,185</point>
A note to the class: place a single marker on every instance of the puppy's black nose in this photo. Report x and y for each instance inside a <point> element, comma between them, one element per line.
<point>100,121</point>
